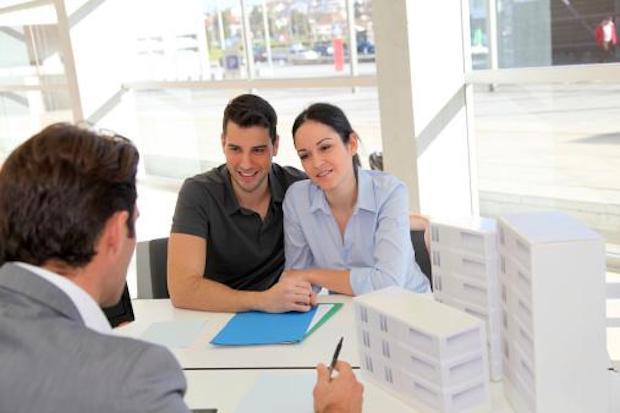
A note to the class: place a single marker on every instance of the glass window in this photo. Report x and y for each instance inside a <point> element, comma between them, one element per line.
<point>306,39</point>
<point>33,90</point>
<point>545,33</point>
<point>365,36</point>
<point>223,24</point>
<point>177,130</point>
<point>551,146</point>
<point>170,41</point>
<point>180,129</point>
<point>478,24</point>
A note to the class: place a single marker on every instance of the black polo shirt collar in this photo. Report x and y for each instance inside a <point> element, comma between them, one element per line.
<point>230,200</point>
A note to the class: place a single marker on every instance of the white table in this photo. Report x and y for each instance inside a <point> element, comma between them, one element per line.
<point>226,390</point>
<point>318,347</point>
<point>220,377</point>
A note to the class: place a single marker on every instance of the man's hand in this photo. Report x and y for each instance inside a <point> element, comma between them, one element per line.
<point>288,294</point>
<point>343,394</point>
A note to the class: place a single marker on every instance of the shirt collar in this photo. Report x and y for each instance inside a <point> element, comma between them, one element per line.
<point>365,195</point>
<point>318,201</point>
<point>275,187</point>
<point>365,191</point>
<point>89,310</point>
<point>231,203</point>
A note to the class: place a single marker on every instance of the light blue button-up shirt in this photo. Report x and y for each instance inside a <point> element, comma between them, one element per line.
<point>376,247</point>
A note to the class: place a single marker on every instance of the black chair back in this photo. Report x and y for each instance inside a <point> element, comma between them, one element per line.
<point>158,255</point>
<point>121,312</point>
<point>422,256</point>
<point>152,261</point>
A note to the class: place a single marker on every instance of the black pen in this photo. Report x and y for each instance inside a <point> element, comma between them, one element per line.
<point>335,357</point>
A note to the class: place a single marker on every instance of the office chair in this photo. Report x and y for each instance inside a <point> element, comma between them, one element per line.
<point>120,312</point>
<point>422,256</point>
<point>151,262</point>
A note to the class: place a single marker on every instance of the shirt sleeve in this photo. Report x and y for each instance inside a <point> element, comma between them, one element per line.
<point>392,249</point>
<point>296,249</point>
<point>191,213</point>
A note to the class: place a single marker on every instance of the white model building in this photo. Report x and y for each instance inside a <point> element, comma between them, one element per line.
<point>426,353</point>
<point>464,262</point>
<point>552,293</point>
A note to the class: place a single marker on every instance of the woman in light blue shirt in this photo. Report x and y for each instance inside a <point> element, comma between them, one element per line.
<point>346,229</point>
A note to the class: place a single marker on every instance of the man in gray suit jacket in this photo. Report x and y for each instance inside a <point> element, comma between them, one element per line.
<point>67,214</point>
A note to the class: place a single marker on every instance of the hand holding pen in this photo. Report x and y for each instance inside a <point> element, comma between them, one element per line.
<point>332,365</point>
<point>343,393</point>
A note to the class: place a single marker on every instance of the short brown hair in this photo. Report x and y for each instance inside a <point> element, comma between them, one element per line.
<point>251,110</point>
<point>59,188</point>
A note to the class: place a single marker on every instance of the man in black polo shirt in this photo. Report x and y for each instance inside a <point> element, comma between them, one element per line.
<point>226,248</point>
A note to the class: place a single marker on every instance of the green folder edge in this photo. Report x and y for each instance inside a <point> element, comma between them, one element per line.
<point>335,308</point>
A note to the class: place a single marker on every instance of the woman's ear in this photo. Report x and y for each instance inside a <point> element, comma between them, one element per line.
<point>353,143</point>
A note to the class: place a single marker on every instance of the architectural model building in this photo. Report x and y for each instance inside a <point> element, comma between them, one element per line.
<point>552,293</point>
<point>428,354</point>
<point>464,262</point>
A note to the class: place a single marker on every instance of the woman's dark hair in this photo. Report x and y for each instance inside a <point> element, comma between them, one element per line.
<point>58,189</point>
<point>328,115</point>
<point>251,110</point>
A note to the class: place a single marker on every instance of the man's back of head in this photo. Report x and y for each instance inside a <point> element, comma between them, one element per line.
<point>58,189</point>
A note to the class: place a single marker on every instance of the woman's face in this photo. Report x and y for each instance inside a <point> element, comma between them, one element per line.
<point>325,158</point>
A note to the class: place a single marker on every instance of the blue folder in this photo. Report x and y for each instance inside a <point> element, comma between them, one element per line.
<point>254,327</point>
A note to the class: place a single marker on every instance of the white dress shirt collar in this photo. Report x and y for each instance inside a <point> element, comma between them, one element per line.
<point>91,313</point>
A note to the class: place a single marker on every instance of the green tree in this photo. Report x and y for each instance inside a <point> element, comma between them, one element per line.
<point>300,26</point>
<point>256,22</point>
<point>226,18</point>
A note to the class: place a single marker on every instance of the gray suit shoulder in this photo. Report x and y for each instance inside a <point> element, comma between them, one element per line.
<point>151,378</point>
<point>147,377</point>
<point>53,363</point>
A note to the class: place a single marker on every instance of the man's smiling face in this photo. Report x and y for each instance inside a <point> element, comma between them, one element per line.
<point>248,154</point>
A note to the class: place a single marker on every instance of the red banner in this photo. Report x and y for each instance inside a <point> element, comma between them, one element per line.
<point>338,45</point>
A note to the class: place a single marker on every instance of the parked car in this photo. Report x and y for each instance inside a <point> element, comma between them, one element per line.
<point>298,51</point>
<point>260,54</point>
<point>324,48</point>
<point>279,55</point>
<point>365,47</point>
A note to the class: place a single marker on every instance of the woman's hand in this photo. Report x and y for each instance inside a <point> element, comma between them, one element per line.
<point>295,275</point>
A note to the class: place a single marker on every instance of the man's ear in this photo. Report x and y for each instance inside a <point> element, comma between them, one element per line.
<point>113,234</point>
<point>276,145</point>
<point>223,140</point>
